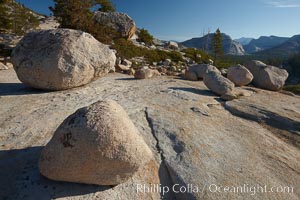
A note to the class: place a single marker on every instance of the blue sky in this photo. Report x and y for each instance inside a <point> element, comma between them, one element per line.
<point>184,19</point>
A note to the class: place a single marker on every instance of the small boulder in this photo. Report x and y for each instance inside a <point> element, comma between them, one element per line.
<point>201,70</point>
<point>239,75</point>
<point>9,65</point>
<point>228,97</point>
<point>121,67</point>
<point>190,75</point>
<point>61,59</point>
<point>3,67</point>
<point>218,83</point>
<point>167,62</point>
<point>126,63</point>
<point>173,69</point>
<point>97,144</point>
<point>146,73</point>
<point>266,76</point>
<point>173,45</point>
<point>120,22</point>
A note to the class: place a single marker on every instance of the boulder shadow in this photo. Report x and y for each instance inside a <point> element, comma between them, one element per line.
<point>171,179</point>
<point>10,89</point>
<point>20,178</point>
<point>194,90</point>
<point>126,79</point>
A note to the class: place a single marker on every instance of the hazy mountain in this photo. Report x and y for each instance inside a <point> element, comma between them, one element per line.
<point>264,43</point>
<point>244,41</point>
<point>230,46</point>
<point>289,47</point>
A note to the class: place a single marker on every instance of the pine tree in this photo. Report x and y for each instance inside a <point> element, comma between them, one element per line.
<point>77,14</point>
<point>217,44</point>
<point>16,18</point>
<point>145,36</point>
<point>73,14</point>
<point>106,5</point>
<point>5,20</point>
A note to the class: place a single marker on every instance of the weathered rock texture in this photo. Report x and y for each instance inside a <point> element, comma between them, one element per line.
<point>146,73</point>
<point>239,75</point>
<point>266,76</point>
<point>194,138</point>
<point>121,22</point>
<point>98,144</point>
<point>199,71</point>
<point>218,83</point>
<point>61,59</point>
<point>3,67</point>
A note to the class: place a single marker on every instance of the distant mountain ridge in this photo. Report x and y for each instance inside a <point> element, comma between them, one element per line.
<point>230,47</point>
<point>287,48</point>
<point>244,41</point>
<point>264,43</point>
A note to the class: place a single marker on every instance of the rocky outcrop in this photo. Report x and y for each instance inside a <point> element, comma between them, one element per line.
<point>218,83</point>
<point>195,139</point>
<point>121,22</point>
<point>61,59</point>
<point>239,75</point>
<point>199,71</point>
<point>98,144</point>
<point>267,77</point>
<point>146,73</point>
<point>9,41</point>
<point>48,23</point>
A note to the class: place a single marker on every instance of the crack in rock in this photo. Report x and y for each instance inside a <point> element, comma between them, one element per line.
<point>172,174</point>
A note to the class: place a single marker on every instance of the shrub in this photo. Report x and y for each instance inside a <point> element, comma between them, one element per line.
<point>126,49</point>
<point>293,88</point>
<point>145,36</point>
<point>193,53</point>
<point>294,62</point>
<point>106,6</point>
<point>15,18</point>
<point>76,14</point>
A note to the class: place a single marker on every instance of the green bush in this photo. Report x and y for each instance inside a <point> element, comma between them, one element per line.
<point>193,53</point>
<point>294,62</point>
<point>15,18</point>
<point>293,88</point>
<point>106,6</point>
<point>145,36</point>
<point>76,14</point>
<point>126,49</point>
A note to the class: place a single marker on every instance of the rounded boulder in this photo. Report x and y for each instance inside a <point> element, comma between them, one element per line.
<point>61,59</point>
<point>239,75</point>
<point>98,144</point>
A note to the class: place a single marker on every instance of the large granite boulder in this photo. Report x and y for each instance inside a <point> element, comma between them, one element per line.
<point>200,71</point>
<point>239,75</point>
<point>98,144</point>
<point>61,59</point>
<point>218,83</point>
<point>121,22</point>
<point>266,76</point>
